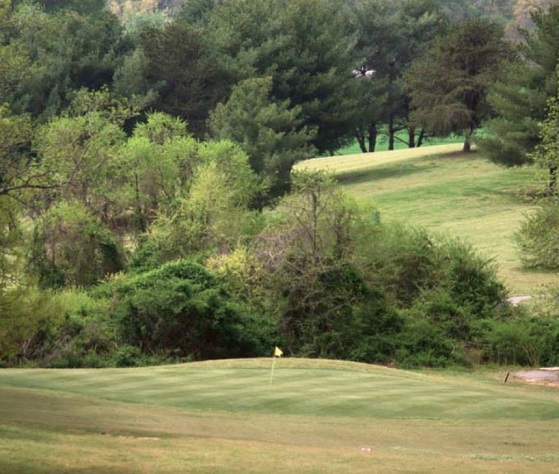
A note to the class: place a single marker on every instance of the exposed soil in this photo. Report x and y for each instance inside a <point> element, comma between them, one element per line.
<point>545,376</point>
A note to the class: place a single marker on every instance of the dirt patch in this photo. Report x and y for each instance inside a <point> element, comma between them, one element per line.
<point>545,376</point>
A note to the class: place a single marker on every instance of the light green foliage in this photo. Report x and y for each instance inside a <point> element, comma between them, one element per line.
<point>154,168</point>
<point>78,152</point>
<point>12,60</point>
<point>26,315</point>
<point>63,329</point>
<point>271,133</point>
<point>73,248</point>
<point>159,128</point>
<point>214,214</point>
<point>17,170</point>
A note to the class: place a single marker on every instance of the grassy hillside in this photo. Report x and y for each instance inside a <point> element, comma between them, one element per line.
<point>224,416</point>
<point>446,191</point>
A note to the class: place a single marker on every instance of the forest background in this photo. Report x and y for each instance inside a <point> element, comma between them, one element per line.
<point>150,212</point>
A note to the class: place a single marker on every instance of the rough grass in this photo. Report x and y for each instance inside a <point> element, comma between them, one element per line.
<point>446,191</point>
<point>224,416</point>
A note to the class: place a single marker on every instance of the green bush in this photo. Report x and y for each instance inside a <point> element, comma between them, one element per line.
<point>537,237</point>
<point>57,329</point>
<point>71,247</point>
<point>181,309</point>
<point>424,344</point>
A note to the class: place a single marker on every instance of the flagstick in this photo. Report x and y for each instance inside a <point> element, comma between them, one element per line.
<point>272,373</point>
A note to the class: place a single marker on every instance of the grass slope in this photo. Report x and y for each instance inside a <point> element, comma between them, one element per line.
<point>224,416</point>
<point>446,191</point>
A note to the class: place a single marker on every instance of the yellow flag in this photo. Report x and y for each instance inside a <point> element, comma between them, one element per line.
<point>278,352</point>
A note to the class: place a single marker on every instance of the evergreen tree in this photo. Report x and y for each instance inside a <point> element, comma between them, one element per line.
<point>272,134</point>
<point>304,46</point>
<point>519,97</point>
<point>449,86</point>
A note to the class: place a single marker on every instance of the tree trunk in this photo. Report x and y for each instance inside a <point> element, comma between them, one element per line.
<point>373,133</point>
<point>468,141</point>
<point>361,140</point>
<point>411,137</point>
<point>552,180</point>
<point>421,137</point>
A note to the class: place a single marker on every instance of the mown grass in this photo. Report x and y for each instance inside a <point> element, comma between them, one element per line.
<point>224,416</point>
<point>444,190</point>
<point>400,143</point>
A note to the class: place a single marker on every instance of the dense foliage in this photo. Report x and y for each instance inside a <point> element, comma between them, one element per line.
<point>148,207</point>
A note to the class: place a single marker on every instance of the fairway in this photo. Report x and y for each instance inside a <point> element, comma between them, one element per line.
<point>446,191</point>
<point>315,416</point>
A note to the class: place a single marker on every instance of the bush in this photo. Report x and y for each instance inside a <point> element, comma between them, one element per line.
<point>57,329</point>
<point>537,237</point>
<point>73,248</point>
<point>181,309</point>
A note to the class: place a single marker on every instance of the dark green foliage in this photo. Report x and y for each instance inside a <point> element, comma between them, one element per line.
<point>347,287</point>
<point>66,51</point>
<point>305,47</point>
<point>272,134</point>
<point>424,344</point>
<point>519,96</point>
<point>537,237</point>
<point>448,86</point>
<point>530,341</point>
<point>181,309</point>
<point>329,312</point>
<point>390,36</point>
<point>185,72</point>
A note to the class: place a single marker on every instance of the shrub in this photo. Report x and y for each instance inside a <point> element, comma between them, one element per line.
<point>181,308</point>
<point>537,237</point>
<point>73,248</point>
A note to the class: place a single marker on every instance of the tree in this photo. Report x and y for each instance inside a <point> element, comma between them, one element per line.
<point>77,152</point>
<point>12,60</point>
<point>449,86</point>
<point>306,262</point>
<point>181,67</point>
<point>523,10</point>
<point>304,46</point>
<point>66,51</point>
<point>391,36</point>
<point>546,154</point>
<point>72,247</point>
<point>153,169</point>
<point>519,95</point>
<point>213,215</point>
<point>271,133</point>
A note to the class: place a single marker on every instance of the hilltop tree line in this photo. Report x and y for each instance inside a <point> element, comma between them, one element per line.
<point>148,206</point>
